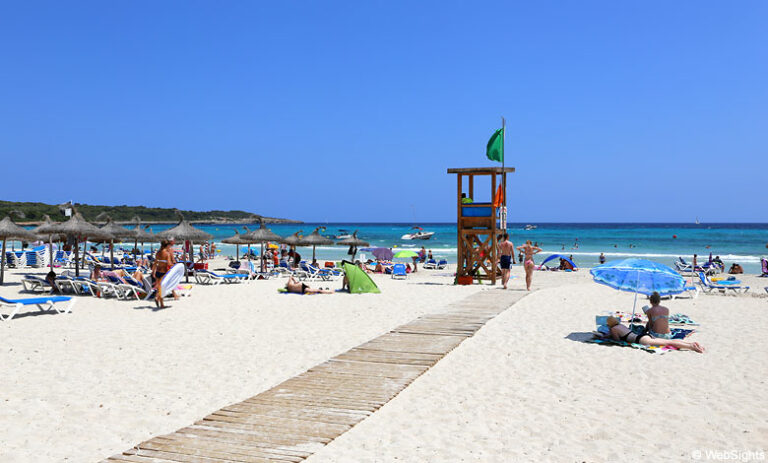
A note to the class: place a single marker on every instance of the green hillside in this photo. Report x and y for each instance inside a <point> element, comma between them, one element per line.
<point>34,212</point>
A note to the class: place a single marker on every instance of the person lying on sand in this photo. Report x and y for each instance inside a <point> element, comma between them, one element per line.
<point>620,332</point>
<point>295,286</point>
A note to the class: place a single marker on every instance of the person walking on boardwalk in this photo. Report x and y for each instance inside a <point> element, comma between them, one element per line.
<point>506,259</point>
<point>529,250</point>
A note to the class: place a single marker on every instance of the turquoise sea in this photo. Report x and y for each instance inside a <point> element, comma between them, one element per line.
<point>741,243</point>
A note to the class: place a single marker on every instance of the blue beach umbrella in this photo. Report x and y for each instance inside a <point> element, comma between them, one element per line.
<point>639,276</point>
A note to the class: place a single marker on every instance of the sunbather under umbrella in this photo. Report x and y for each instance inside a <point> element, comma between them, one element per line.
<point>639,276</point>
<point>9,230</point>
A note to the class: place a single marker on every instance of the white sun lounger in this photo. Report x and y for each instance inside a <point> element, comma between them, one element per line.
<point>43,304</point>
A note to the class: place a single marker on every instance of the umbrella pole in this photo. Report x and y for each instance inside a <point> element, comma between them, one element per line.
<point>262,257</point>
<point>2,263</point>
<point>111,255</point>
<point>50,249</point>
<point>634,304</point>
<point>77,258</point>
<point>314,261</point>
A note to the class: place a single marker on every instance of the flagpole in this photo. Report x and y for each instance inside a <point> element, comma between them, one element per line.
<point>503,174</point>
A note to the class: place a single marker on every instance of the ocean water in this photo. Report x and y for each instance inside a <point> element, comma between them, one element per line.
<point>741,243</point>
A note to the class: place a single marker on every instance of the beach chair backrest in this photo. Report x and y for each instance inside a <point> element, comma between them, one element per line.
<point>703,278</point>
<point>399,269</point>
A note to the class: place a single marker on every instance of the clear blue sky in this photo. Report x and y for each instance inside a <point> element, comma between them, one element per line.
<point>352,111</point>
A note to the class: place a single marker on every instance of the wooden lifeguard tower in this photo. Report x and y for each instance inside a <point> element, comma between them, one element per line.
<point>478,224</point>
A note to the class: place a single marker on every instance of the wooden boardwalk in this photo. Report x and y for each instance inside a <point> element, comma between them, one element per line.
<point>293,420</point>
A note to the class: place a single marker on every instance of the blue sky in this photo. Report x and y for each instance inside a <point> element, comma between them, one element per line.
<point>352,111</point>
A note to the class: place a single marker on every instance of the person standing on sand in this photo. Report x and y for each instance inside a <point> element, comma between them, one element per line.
<point>529,250</point>
<point>164,260</point>
<point>507,258</point>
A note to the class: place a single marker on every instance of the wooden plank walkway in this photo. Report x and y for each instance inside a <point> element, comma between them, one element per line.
<point>294,419</point>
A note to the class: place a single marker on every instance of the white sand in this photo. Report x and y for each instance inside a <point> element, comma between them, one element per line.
<point>525,389</point>
<point>83,386</point>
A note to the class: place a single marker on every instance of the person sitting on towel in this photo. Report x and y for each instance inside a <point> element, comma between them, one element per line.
<point>295,286</point>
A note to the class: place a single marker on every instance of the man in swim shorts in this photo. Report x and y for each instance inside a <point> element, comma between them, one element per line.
<point>506,259</point>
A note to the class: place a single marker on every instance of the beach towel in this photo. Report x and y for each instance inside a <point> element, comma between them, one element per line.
<point>677,333</point>
<point>674,319</point>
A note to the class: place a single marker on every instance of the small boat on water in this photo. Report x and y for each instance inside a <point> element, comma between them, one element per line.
<point>531,227</point>
<point>343,234</point>
<point>419,235</point>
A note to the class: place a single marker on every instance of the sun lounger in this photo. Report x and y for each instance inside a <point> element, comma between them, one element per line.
<point>34,284</point>
<point>692,291</point>
<point>42,303</point>
<point>441,264</point>
<point>431,264</point>
<point>324,274</point>
<point>708,286</point>
<point>206,277</point>
<point>398,272</point>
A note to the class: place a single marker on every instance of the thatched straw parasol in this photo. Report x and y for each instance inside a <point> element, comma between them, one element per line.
<point>76,227</point>
<point>118,233</point>
<point>47,236</point>
<point>237,240</point>
<point>315,239</point>
<point>292,241</point>
<point>9,230</point>
<point>140,235</point>
<point>353,242</point>
<point>185,232</point>
<point>262,235</point>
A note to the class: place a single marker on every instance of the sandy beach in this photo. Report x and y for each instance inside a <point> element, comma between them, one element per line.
<point>82,386</point>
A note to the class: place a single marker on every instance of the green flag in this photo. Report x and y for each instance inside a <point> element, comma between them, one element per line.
<point>495,148</point>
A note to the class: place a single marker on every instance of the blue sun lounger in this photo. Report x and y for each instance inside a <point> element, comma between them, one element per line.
<point>707,285</point>
<point>42,303</point>
<point>398,271</point>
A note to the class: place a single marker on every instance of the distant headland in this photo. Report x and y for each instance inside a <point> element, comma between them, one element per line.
<point>30,213</point>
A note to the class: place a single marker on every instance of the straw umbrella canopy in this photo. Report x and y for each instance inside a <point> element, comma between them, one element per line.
<point>353,242</point>
<point>140,234</point>
<point>185,232</point>
<point>262,235</point>
<point>47,236</point>
<point>292,241</point>
<point>9,230</point>
<point>237,240</point>
<point>77,227</point>
<point>315,239</point>
<point>118,233</point>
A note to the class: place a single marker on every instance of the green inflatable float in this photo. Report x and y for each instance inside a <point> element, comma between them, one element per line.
<point>359,281</point>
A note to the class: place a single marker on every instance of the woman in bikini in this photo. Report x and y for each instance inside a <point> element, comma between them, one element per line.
<point>529,250</point>
<point>163,262</point>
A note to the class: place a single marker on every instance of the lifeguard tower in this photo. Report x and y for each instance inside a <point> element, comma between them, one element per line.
<point>478,224</point>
